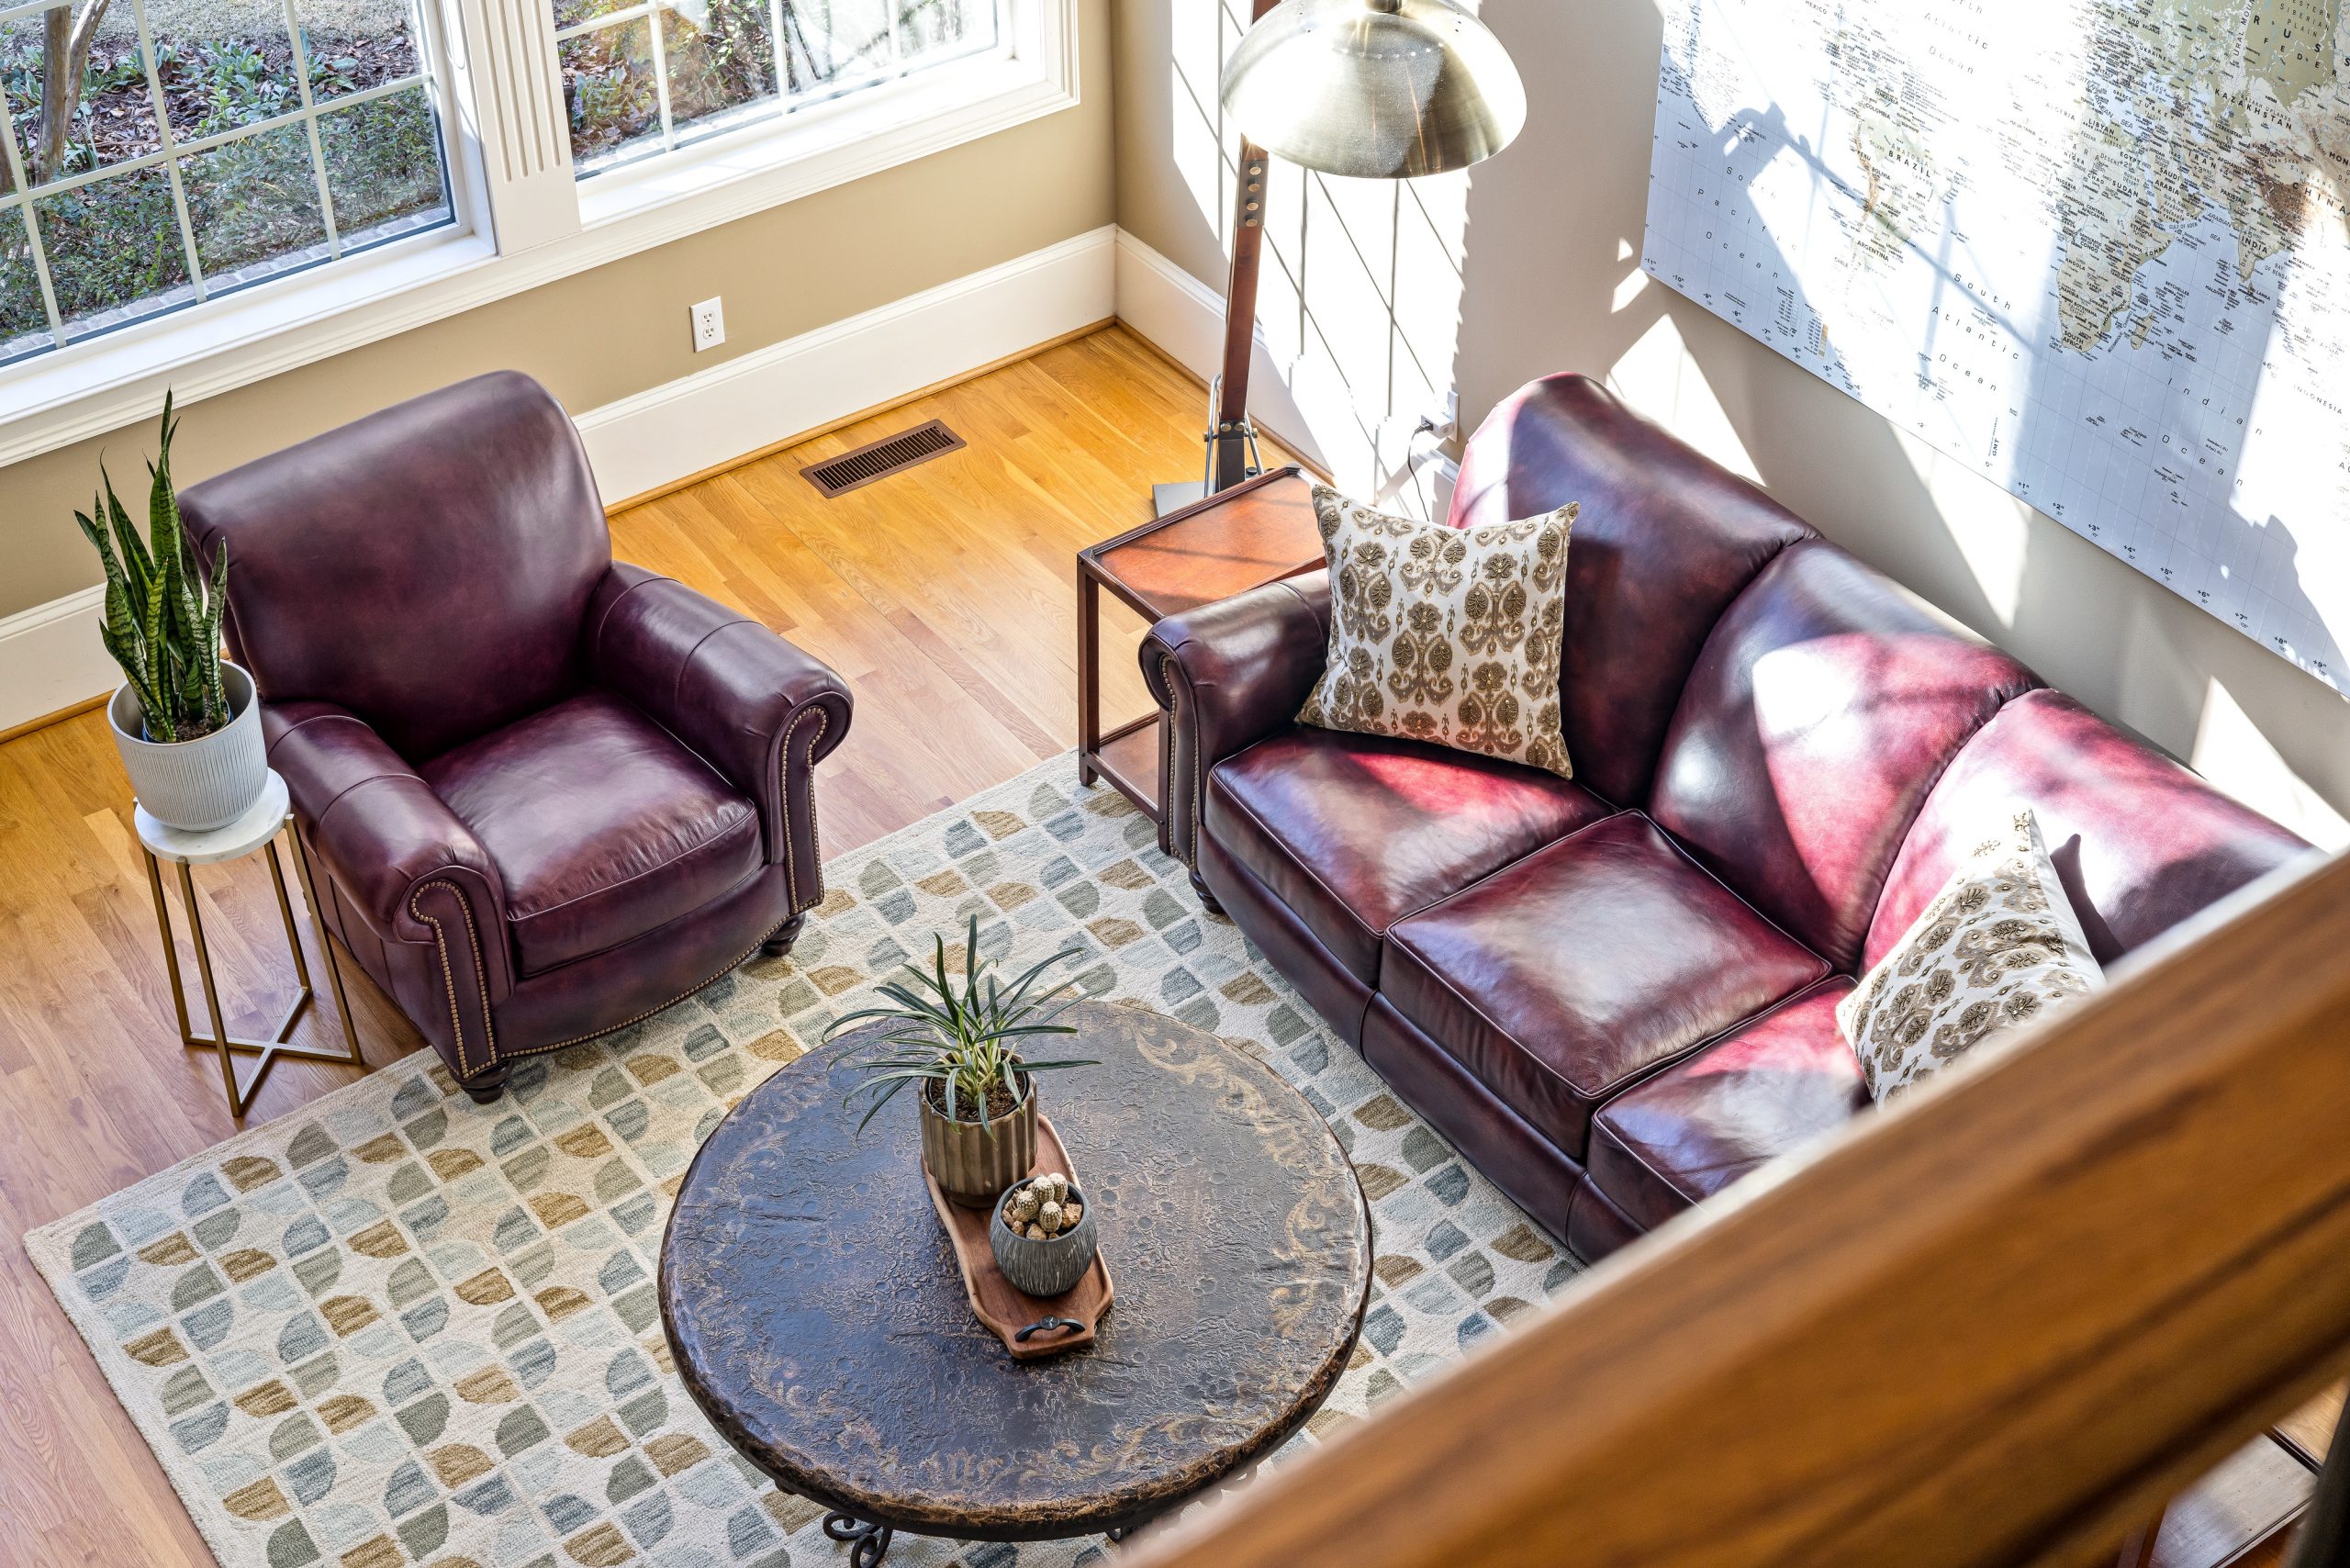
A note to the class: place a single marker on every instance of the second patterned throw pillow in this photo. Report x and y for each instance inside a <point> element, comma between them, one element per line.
<point>1448,635</point>
<point>1998,947</point>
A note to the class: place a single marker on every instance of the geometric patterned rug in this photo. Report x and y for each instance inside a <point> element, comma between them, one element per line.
<point>397,1328</point>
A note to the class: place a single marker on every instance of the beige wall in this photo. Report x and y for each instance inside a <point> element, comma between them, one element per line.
<point>1529,264</point>
<point>620,328</point>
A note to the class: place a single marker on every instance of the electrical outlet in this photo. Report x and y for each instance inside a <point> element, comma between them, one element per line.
<point>709,324</point>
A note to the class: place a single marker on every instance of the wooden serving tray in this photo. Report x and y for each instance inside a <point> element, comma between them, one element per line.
<point>1005,1311</point>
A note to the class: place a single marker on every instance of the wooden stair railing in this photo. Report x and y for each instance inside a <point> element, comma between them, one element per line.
<point>1999,1322</point>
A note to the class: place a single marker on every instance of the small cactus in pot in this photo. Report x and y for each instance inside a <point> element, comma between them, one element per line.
<point>961,1043</point>
<point>1043,1234</point>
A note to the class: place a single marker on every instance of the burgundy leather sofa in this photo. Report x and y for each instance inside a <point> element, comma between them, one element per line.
<point>542,793</point>
<point>1616,995</point>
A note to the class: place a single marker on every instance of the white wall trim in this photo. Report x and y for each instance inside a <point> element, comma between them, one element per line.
<point>755,399</point>
<point>50,654</point>
<point>50,657</point>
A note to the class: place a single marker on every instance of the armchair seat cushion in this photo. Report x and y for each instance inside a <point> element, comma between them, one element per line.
<point>602,826</point>
<point>1766,1089</point>
<point>1582,968</point>
<point>1355,832</point>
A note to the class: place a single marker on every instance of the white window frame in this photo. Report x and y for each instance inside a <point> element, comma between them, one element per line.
<point>522,218</point>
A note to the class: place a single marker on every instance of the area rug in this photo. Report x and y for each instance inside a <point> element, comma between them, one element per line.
<point>397,1328</point>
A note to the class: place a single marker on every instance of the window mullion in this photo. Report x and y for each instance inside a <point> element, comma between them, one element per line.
<point>897,43</point>
<point>778,56</point>
<point>32,223</point>
<point>661,78</point>
<point>311,128</point>
<point>164,136</point>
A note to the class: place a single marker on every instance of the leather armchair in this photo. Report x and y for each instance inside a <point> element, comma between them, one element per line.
<point>542,793</point>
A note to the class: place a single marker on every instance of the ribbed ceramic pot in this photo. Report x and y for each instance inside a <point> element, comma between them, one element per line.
<point>1049,1267</point>
<point>972,1162</point>
<point>201,784</point>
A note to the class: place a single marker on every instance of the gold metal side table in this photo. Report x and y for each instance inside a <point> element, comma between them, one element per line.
<point>257,829</point>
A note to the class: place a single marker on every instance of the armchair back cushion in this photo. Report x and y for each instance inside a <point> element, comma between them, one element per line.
<point>1664,541</point>
<point>386,565</point>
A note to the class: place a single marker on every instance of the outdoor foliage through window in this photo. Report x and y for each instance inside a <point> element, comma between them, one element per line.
<point>157,152</point>
<point>644,77</point>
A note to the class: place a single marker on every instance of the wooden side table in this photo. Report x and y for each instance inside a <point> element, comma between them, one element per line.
<point>257,829</point>
<point>1253,534</point>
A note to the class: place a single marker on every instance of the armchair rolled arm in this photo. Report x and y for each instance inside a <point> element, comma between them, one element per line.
<point>401,860</point>
<point>754,707</point>
<point>1227,674</point>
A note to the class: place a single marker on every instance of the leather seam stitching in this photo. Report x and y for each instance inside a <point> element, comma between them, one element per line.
<point>1600,1129</point>
<point>783,792</point>
<point>1378,939</point>
<point>678,859</point>
<point>448,977</point>
<point>613,1029</point>
<point>321,815</point>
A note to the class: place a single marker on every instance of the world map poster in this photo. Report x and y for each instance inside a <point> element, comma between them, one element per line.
<point>2097,250</point>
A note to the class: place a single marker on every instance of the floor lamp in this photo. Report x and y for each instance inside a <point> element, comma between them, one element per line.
<point>1369,89</point>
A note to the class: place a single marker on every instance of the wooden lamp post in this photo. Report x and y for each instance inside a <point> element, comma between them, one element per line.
<point>1369,89</point>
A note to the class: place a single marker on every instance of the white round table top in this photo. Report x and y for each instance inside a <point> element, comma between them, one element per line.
<point>246,834</point>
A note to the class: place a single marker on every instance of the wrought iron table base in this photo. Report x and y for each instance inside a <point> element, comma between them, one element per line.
<point>866,1542</point>
<point>240,1097</point>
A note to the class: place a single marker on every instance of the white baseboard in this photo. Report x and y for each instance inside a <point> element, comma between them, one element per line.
<point>1183,318</point>
<point>698,422</point>
<point>50,657</point>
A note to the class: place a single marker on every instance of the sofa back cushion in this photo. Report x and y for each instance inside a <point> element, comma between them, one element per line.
<point>1819,715</point>
<point>1666,539</point>
<point>2139,842</point>
<point>427,567</point>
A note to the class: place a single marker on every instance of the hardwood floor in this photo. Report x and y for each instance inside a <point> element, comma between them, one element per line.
<point>944,595</point>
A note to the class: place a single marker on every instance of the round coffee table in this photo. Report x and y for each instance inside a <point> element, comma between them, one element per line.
<point>816,1313</point>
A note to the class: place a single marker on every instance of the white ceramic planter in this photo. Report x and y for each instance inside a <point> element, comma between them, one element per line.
<point>201,784</point>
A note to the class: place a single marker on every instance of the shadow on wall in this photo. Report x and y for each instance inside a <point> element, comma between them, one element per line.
<point>1551,280</point>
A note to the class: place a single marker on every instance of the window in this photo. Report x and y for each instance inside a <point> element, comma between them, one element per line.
<point>243,152</point>
<point>162,152</point>
<point>648,77</point>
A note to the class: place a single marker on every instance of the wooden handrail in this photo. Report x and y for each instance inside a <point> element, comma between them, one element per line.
<point>1997,1324</point>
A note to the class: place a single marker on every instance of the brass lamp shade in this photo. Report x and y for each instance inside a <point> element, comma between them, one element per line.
<point>1376,89</point>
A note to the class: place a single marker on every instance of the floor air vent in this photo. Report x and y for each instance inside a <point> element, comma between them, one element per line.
<point>838,475</point>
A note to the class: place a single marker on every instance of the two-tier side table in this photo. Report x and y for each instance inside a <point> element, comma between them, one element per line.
<point>1253,534</point>
<point>257,829</point>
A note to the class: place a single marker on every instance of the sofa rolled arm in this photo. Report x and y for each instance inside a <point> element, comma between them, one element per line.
<point>749,703</point>
<point>401,859</point>
<point>1227,674</point>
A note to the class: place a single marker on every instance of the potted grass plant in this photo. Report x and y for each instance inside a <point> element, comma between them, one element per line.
<point>962,1045</point>
<point>185,718</point>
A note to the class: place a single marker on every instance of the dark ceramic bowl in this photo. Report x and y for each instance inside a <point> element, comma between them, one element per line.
<point>1046,1268</point>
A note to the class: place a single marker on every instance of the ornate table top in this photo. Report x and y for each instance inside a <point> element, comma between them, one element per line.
<point>816,1312</point>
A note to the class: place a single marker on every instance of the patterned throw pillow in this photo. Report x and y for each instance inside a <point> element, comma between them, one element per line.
<point>1450,635</point>
<point>1999,946</point>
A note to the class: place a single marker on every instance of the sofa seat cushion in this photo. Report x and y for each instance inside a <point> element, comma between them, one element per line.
<point>1355,832</point>
<point>1766,1088</point>
<point>601,825</point>
<point>1581,969</point>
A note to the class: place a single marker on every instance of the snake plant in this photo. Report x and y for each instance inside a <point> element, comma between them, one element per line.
<point>965,1039</point>
<point>162,623</point>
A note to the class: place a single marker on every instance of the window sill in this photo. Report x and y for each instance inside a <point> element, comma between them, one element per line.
<point>91,389</point>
